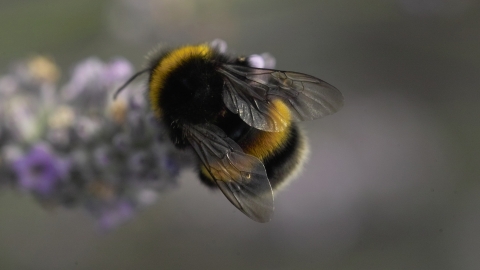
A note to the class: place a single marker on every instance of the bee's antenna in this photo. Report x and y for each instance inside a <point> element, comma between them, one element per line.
<point>134,76</point>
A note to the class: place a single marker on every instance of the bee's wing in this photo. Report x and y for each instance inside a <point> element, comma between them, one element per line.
<point>241,177</point>
<point>249,92</point>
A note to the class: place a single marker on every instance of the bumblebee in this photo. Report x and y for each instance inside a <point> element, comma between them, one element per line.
<point>240,120</point>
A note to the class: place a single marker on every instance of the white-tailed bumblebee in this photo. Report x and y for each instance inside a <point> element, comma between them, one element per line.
<point>239,119</point>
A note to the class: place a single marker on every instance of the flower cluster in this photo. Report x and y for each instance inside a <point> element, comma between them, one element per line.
<point>75,145</point>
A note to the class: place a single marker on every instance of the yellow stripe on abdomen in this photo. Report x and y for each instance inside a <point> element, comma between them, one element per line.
<point>258,143</point>
<point>263,144</point>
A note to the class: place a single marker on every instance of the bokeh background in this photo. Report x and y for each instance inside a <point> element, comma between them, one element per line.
<point>393,178</point>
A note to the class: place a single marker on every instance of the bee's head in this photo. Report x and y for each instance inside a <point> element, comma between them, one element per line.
<point>185,87</point>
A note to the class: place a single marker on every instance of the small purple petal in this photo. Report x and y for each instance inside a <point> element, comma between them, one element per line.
<point>171,165</point>
<point>269,60</point>
<point>256,61</point>
<point>136,102</point>
<point>102,156</point>
<point>86,128</point>
<point>115,215</point>
<point>219,44</point>
<point>8,85</point>
<point>146,197</point>
<point>40,171</point>
<point>118,70</point>
<point>264,60</point>
<point>121,142</point>
<point>87,74</point>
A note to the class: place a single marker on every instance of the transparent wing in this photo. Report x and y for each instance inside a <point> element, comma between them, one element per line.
<point>241,177</point>
<point>250,92</point>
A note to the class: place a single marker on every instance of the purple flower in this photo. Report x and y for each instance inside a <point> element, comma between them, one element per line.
<point>264,60</point>
<point>118,70</point>
<point>171,165</point>
<point>40,170</point>
<point>93,75</point>
<point>88,74</point>
<point>113,215</point>
<point>8,85</point>
<point>219,44</point>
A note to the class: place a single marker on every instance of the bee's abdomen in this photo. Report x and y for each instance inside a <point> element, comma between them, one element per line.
<point>282,153</point>
<point>287,159</point>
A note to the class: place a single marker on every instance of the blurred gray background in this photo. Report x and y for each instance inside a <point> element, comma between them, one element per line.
<point>393,178</point>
